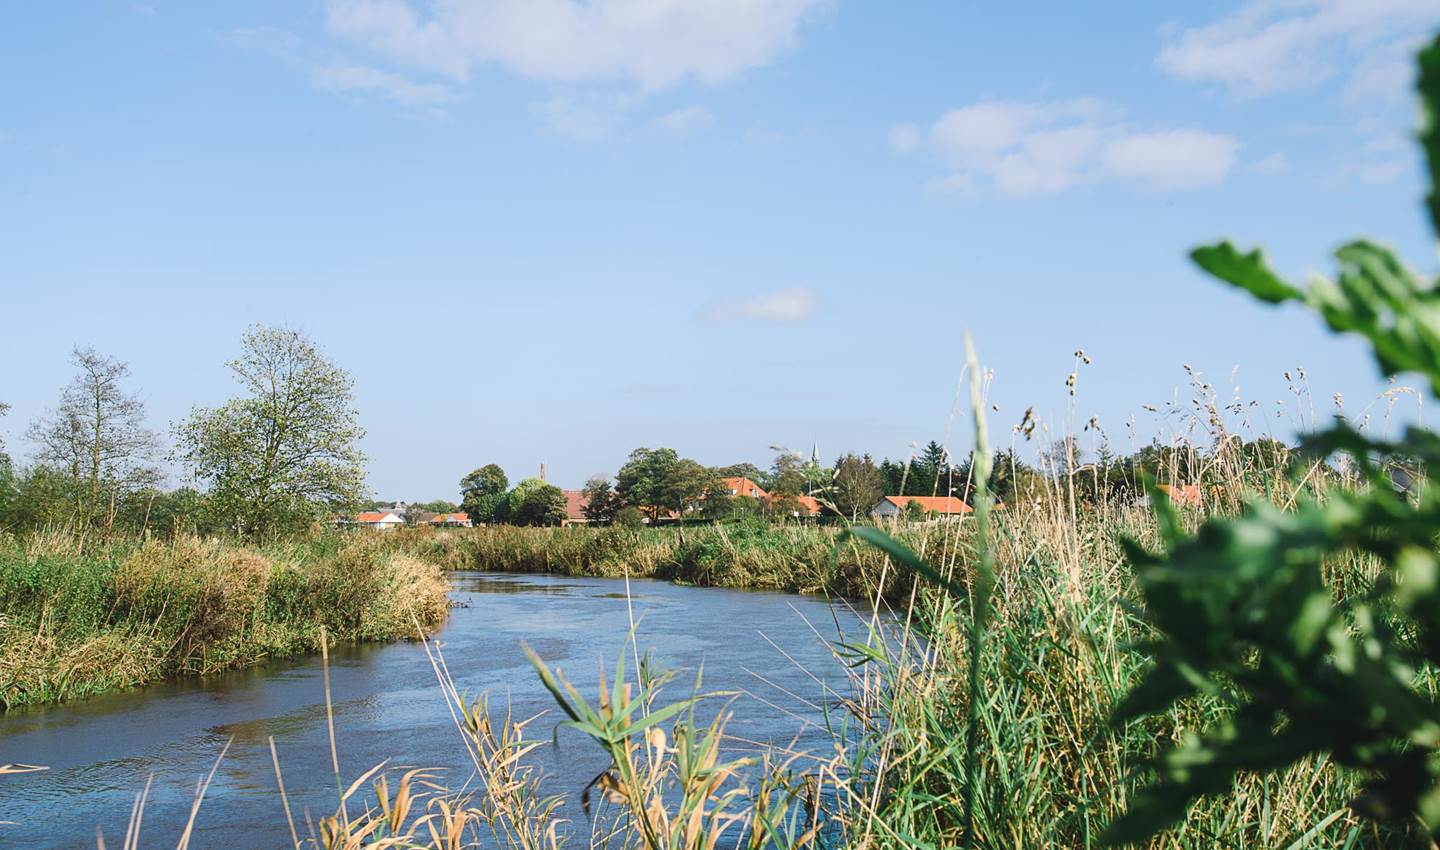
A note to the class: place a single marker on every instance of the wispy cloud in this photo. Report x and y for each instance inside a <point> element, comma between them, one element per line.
<point>356,79</point>
<point>1021,148</point>
<point>652,45</point>
<point>584,116</point>
<point>1270,46</point>
<point>345,78</point>
<point>681,122</point>
<point>794,304</point>
<point>1275,163</point>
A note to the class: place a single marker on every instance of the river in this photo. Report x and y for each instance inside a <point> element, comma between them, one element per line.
<point>387,705</point>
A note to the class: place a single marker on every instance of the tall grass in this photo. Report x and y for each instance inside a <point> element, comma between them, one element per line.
<point>753,556</point>
<point>81,620</point>
<point>947,735</point>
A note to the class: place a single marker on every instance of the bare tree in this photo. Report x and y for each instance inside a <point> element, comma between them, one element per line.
<point>97,436</point>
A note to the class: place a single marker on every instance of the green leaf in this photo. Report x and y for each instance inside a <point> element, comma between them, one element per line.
<point>1247,271</point>
<point>1158,689</point>
<point>1428,85</point>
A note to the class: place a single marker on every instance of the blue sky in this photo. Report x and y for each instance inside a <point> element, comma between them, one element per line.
<point>546,230</point>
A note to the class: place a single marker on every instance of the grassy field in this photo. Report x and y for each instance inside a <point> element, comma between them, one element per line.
<point>81,621</point>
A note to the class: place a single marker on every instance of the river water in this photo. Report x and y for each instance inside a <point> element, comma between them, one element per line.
<point>770,647</point>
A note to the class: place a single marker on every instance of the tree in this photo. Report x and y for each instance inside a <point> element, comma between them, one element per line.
<point>417,512</point>
<point>1011,479</point>
<point>629,517</point>
<point>536,502</point>
<point>162,513</point>
<point>482,493</point>
<point>893,473</point>
<point>658,480</point>
<point>601,500</point>
<point>858,485</point>
<point>782,507</point>
<point>42,497</point>
<point>97,434</point>
<point>930,472</point>
<point>718,506</point>
<point>787,475</point>
<point>285,452</point>
<point>1062,459</point>
<point>7,480</point>
<point>741,470</point>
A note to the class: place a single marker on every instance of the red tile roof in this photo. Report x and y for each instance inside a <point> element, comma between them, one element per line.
<point>809,504</point>
<point>371,516</point>
<point>937,504</point>
<point>1185,495</point>
<point>744,487</point>
<point>575,503</point>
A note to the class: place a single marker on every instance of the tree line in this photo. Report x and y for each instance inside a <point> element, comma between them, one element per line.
<point>655,485</point>
<point>282,455</point>
<point>277,457</point>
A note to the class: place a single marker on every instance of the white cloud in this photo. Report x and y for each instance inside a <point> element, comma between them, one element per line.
<point>354,79</point>
<point>690,119</point>
<point>783,305</point>
<point>654,44</point>
<point>1268,46</point>
<point>343,78</point>
<point>1381,171</point>
<point>904,137</point>
<point>1032,148</point>
<point>1275,163</point>
<point>1172,159</point>
<point>583,116</point>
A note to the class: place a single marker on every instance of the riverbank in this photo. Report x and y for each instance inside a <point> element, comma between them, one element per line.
<point>745,556</point>
<point>81,620</point>
<point>1059,656</point>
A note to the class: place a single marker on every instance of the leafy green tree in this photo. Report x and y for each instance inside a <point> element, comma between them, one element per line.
<point>285,452</point>
<point>601,500</point>
<point>741,470</point>
<point>929,472</point>
<point>718,506</point>
<point>43,497</point>
<point>163,513</point>
<point>659,480</point>
<point>97,432</point>
<point>893,474</point>
<point>1167,464</point>
<point>629,517</point>
<point>535,502</point>
<point>1012,479</point>
<point>787,475</point>
<point>438,506</point>
<point>7,479</point>
<point>858,485</point>
<point>482,493</point>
